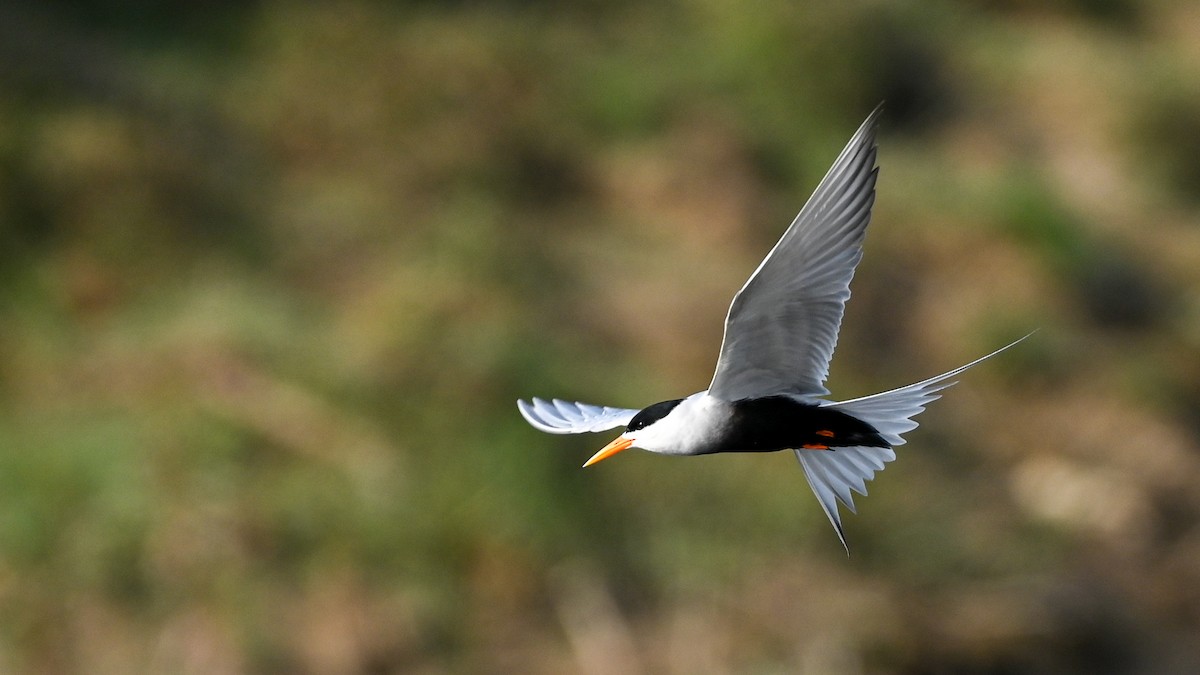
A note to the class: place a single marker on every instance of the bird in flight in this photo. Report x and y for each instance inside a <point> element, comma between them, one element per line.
<point>768,392</point>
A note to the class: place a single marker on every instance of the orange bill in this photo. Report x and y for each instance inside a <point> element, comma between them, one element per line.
<point>618,444</point>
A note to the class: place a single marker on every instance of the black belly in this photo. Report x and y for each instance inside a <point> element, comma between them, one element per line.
<point>780,423</point>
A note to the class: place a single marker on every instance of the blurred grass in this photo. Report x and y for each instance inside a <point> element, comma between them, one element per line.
<point>274,274</point>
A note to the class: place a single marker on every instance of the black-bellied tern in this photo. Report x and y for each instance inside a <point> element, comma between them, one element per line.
<point>768,391</point>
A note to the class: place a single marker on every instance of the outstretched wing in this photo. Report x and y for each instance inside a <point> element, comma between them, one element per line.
<point>783,324</point>
<point>833,473</point>
<point>566,417</point>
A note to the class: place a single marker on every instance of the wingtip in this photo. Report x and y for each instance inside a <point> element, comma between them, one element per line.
<point>872,121</point>
<point>866,133</point>
<point>526,411</point>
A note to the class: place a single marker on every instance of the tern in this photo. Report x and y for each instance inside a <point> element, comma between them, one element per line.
<point>768,392</point>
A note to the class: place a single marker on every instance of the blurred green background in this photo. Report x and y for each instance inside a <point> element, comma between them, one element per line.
<point>274,273</point>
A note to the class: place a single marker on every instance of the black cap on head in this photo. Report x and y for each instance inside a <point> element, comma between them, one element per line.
<point>652,414</point>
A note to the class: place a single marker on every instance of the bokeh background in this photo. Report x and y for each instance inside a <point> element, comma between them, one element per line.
<point>272,275</point>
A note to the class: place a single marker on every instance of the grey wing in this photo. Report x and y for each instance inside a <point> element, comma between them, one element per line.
<point>783,324</point>
<point>567,417</point>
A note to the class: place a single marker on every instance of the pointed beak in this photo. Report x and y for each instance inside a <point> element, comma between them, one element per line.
<point>618,444</point>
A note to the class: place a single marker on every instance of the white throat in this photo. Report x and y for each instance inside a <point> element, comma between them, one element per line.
<point>691,428</point>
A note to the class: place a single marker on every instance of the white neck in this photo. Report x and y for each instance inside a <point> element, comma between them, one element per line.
<point>690,428</point>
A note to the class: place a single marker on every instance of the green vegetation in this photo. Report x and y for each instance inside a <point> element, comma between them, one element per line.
<point>272,276</point>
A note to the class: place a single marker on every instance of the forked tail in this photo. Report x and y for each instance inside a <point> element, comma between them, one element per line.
<point>832,474</point>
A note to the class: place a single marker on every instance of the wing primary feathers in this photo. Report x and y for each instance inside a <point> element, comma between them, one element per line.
<point>558,416</point>
<point>780,334</point>
<point>782,326</point>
